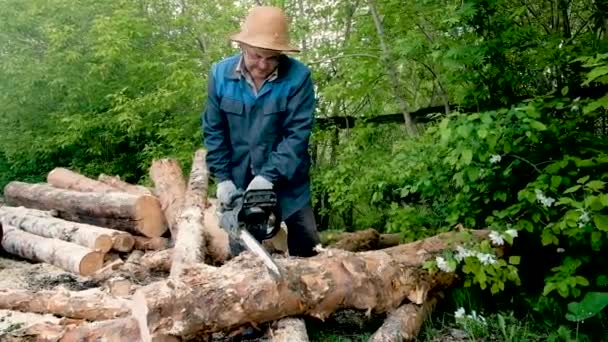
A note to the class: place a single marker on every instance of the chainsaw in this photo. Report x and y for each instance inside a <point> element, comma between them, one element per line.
<point>250,218</point>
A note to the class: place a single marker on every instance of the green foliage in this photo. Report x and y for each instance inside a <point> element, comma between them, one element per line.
<point>592,304</point>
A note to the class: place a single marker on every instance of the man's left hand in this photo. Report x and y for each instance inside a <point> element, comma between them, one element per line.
<point>260,183</point>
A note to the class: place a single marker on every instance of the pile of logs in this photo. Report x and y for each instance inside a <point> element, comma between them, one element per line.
<point>165,272</point>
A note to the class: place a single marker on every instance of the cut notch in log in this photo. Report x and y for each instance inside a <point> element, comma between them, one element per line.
<point>64,178</point>
<point>135,214</point>
<point>170,187</point>
<point>68,256</point>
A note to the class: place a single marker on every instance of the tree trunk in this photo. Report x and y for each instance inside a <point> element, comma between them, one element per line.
<point>94,237</point>
<point>140,215</point>
<point>405,323</point>
<point>117,183</point>
<point>92,305</point>
<point>189,243</point>
<point>206,300</point>
<point>170,187</point>
<point>150,244</point>
<point>65,255</point>
<point>362,240</point>
<point>66,179</point>
<point>289,330</point>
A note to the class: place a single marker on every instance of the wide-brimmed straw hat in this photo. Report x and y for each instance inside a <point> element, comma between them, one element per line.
<point>266,27</point>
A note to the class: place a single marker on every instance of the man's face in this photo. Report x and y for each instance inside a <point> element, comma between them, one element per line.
<point>259,62</point>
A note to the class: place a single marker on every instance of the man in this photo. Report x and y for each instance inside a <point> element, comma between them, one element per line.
<point>257,123</point>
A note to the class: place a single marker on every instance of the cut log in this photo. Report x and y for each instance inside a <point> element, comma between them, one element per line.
<point>170,188</point>
<point>405,323</point>
<point>40,223</point>
<point>67,179</point>
<point>363,240</point>
<point>115,330</point>
<point>66,255</point>
<point>140,215</point>
<point>289,330</point>
<point>119,184</point>
<point>205,300</point>
<point>92,305</point>
<point>216,239</point>
<point>150,244</point>
<point>189,243</point>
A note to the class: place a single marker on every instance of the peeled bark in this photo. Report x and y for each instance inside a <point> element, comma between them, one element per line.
<point>118,184</point>
<point>39,223</point>
<point>92,305</point>
<point>206,299</point>
<point>66,255</point>
<point>150,244</point>
<point>405,323</point>
<point>170,187</point>
<point>289,330</point>
<point>66,179</point>
<point>134,214</point>
<point>189,243</point>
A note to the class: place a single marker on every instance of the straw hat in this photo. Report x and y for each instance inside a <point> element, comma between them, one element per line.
<point>266,27</point>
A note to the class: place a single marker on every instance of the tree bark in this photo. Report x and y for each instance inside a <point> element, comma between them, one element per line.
<point>92,305</point>
<point>67,179</point>
<point>150,244</point>
<point>170,187</point>
<point>39,223</point>
<point>140,215</point>
<point>159,261</point>
<point>289,330</point>
<point>119,184</point>
<point>206,299</point>
<point>68,256</point>
<point>363,240</point>
<point>405,323</point>
<point>189,243</point>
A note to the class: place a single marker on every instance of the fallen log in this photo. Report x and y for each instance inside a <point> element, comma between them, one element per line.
<point>205,300</point>
<point>216,239</point>
<point>363,240</point>
<point>189,242</point>
<point>159,261</point>
<point>92,305</point>
<point>66,255</point>
<point>119,184</point>
<point>140,215</point>
<point>405,323</point>
<point>289,330</point>
<point>40,223</point>
<point>67,179</point>
<point>150,244</point>
<point>170,187</point>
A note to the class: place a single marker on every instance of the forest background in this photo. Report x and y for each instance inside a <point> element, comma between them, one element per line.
<point>431,113</point>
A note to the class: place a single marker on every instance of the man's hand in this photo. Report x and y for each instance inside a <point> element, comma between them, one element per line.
<point>225,192</point>
<point>260,183</point>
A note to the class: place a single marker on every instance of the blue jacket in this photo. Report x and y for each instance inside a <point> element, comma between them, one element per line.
<point>247,135</point>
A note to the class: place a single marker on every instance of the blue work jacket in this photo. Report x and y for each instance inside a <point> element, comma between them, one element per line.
<point>265,134</point>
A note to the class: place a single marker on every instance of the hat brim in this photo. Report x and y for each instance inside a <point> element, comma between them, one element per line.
<point>262,44</point>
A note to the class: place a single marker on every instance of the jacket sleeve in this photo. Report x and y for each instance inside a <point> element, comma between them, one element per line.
<point>285,160</point>
<point>216,134</point>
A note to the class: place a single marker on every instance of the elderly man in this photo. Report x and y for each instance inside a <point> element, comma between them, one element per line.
<point>257,123</point>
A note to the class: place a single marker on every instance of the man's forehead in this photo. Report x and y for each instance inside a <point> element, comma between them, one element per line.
<point>263,52</point>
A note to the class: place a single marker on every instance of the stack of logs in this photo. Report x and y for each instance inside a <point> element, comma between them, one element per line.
<point>165,273</point>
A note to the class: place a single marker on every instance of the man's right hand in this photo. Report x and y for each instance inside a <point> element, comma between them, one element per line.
<point>225,193</point>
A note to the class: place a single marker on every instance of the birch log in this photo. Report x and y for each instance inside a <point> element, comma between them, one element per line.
<point>119,184</point>
<point>39,223</point>
<point>170,187</point>
<point>67,179</point>
<point>68,256</point>
<point>117,210</point>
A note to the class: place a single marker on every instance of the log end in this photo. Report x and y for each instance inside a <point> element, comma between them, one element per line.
<point>91,263</point>
<point>103,243</point>
<point>123,242</point>
<point>150,218</point>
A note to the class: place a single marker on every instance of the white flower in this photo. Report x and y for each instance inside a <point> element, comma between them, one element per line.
<point>496,158</point>
<point>561,44</point>
<point>544,200</point>
<point>512,232</point>
<point>584,218</point>
<point>560,250</point>
<point>462,253</point>
<point>496,238</point>
<point>443,265</point>
<point>486,259</point>
<point>460,313</point>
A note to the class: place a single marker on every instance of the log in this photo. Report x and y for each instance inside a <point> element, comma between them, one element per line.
<point>216,239</point>
<point>405,323</point>
<point>119,184</point>
<point>363,240</point>
<point>67,179</point>
<point>92,305</point>
<point>66,255</point>
<point>150,244</point>
<point>205,300</point>
<point>140,215</point>
<point>189,242</point>
<point>40,223</point>
<point>170,188</point>
<point>115,330</point>
<point>159,261</point>
<point>289,330</point>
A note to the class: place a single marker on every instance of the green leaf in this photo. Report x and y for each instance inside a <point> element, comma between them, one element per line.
<point>467,156</point>
<point>565,90</point>
<point>592,304</point>
<point>537,125</point>
<point>572,189</point>
<point>601,221</point>
<point>583,180</point>
<point>555,181</point>
<point>595,185</point>
<point>514,260</point>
